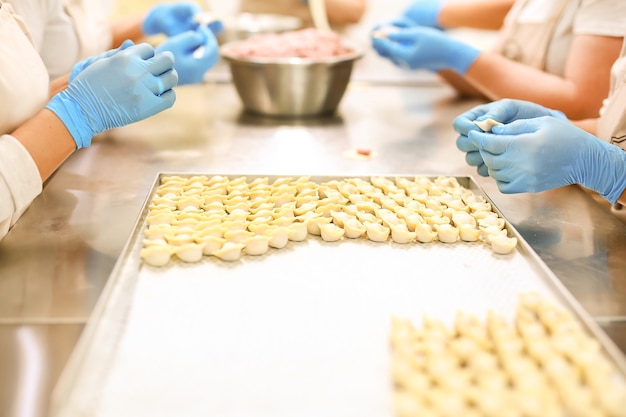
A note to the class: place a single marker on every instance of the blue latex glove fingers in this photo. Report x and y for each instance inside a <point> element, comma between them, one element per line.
<point>426,48</point>
<point>115,91</point>
<point>424,12</point>
<point>171,18</point>
<point>195,51</point>
<point>473,156</point>
<point>216,27</point>
<point>475,159</point>
<point>552,152</point>
<point>507,111</point>
<point>81,65</point>
<point>383,29</point>
<point>464,123</point>
<point>526,156</point>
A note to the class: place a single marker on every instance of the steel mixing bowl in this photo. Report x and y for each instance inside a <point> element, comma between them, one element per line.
<point>290,87</point>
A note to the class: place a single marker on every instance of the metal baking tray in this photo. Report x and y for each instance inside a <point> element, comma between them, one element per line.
<point>298,331</point>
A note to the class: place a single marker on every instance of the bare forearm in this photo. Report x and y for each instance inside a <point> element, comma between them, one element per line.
<point>578,93</point>
<point>498,78</point>
<point>58,85</point>
<point>622,198</point>
<point>588,125</point>
<point>128,28</point>
<point>343,12</point>
<point>477,14</point>
<point>47,140</point>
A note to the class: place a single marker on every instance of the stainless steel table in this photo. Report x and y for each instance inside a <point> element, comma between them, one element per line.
<point>56,261</point>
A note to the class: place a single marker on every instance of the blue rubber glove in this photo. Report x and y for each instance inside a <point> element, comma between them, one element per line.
<point>426,48</point>
<point>419,13</point>
<point>171,18</point>
<point>195,52</point>
<point>124,88</point>
<point>81,65</point>
<point>424,13</point>
<point>543,153</point>
<point>503,111</point>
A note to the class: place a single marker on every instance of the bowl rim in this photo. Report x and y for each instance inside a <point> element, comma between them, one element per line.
<point>355,53</point>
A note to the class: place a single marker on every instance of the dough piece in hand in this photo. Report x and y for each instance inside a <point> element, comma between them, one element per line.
<point>487,125</point>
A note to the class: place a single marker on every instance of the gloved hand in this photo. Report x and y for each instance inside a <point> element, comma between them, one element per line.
<point>419,13</point>
<point>81,65</point>
<point>171,18</point>
<point>503,111</point>
<point>426,48</point>
<point>543,153</point>
<point>424,13</point>
<point>124,88</point>
<point>195,53</point>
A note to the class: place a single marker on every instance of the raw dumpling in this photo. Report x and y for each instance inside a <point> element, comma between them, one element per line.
<point>230,251</point>
<point>156,255</point>
<point>487,124</point>
<point>189,252</point>
<point>376,232</point>
<point>501,244</point>
<point>354,228</point>
<point>330,232</point>
<point>401,234</point>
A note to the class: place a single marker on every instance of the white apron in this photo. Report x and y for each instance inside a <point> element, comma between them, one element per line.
<point>612,122</point>
<point>528,42</point>
<point>23,76</point>
<point>23,92</point>
<point>91,26</point>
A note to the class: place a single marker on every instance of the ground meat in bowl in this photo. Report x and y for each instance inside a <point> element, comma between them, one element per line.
<point>305,43</point>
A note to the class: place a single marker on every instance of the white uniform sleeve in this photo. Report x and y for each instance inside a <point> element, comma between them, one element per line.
<point>35,15</point>
<point>601,17</point>
<point>20,182</point>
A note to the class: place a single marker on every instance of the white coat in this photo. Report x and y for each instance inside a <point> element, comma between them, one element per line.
<point>23,92</point>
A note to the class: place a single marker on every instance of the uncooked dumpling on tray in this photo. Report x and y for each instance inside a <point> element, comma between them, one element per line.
<point>543,363</point>
<point>193,217</point>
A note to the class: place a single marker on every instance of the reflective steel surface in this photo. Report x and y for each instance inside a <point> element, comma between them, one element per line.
<point>56,261</point>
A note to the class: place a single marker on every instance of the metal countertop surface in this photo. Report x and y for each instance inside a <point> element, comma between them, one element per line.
<point>56,261</point>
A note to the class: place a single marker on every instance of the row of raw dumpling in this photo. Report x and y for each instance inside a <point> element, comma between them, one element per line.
<point>369,202</point>
<point>327,213</point>
<point>200,193</point>
<point>377,225</point>
<point>543,364</point>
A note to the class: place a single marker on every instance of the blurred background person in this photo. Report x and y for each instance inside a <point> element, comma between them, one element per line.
<point>557,53</point>
<point>67,31</point>
<point>339,12</point>
<point>609,127</point>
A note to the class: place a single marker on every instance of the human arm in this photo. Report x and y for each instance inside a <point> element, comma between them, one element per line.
<point>127,28</point>
<point>547,152</point>
<point>195,52</point>
<point>476,14</point>
<point>502,111</point>
<point>588,125</point>
<point>578,93</point>
<point>342,12</point>
<point>126,87</point>
<point>442,14</point>
<point>58,84</point>
<point>169,19</point>
<point>421,47</point>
